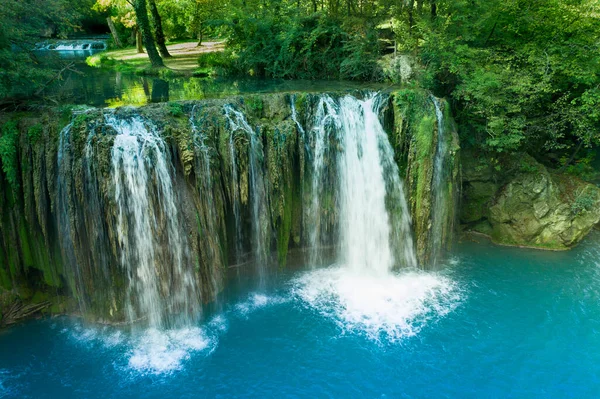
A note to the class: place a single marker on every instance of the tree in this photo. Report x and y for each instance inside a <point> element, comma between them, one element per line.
<point>121,12</point>
<point>141,14</point>
<point>522,74</point>
<point>158,29</point>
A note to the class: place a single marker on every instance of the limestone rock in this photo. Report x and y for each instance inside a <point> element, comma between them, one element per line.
<point>532,207</point>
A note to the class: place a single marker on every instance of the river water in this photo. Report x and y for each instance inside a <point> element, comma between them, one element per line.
<point>494,323</point>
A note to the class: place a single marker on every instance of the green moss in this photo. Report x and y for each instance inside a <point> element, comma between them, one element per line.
<point>300,100</point>
<point>174,109</point>
<point>423,137</point>
<point>25,246</point>
<point>584,202</point>
<point>423,163</point>
<point>254,104</point>
<point>34,133</point>
<point>5,278</point>
<point>39,297</point>
<point>8,154</point>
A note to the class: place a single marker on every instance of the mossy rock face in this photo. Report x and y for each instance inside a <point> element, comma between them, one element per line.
<point>415,140</point>
<point>62,209</point>
<point>531,207</point>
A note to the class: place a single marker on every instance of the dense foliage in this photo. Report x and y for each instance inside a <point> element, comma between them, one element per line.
<point>521,75</point>
<point>312,47</point>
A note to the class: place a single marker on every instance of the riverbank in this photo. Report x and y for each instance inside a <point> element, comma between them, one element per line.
<point>183,60</point>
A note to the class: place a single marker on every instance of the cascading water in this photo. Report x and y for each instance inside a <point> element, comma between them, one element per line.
<point>325,120</point>
<point>153,247</point>
<point>209,215</point>
<point>374,218</point>
<point>235,196</point>
<point>366,231</point>
<point>74,45</point>
<point>63,219</point>
<point>363,292</point>
<point>440,200</point>
<point>260,224</point>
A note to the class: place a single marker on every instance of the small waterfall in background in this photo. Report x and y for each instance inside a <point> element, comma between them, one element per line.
<point>74,45</point>
<point>153,247</point>
<point>258,199</point>
<point>440,200</point>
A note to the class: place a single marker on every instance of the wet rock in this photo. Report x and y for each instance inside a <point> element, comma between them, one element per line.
<point>531,207</point>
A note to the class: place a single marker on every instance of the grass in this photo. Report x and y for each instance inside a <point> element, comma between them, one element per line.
<point>184,60</point>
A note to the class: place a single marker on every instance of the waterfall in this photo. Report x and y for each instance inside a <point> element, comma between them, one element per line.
<point>374,221</point>
<point>439,206</point>
<point>74,45</point>
<point>63,219</point>
<point>374,289</point>
<point>295,115</point>
<point>208,219</point>
<point>153,247</point>
<point>235,196</point>
<point>325,120</point>
<point>256,185</point>
<point>367,233</point>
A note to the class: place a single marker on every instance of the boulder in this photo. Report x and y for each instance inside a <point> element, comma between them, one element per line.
<point>532,207</point>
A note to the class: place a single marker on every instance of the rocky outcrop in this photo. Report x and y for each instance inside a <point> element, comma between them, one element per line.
<point>517,201</point>
<point>433,199</point>
<point>58,213</point>
<point>241,171</point>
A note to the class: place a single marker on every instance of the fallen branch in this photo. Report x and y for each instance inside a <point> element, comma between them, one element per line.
<point>18,311</point>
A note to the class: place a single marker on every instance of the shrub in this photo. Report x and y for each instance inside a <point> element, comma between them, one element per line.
<point>214,59</point>
<point>175,109</point>
<point>583,202</point>
<point>35,133</point>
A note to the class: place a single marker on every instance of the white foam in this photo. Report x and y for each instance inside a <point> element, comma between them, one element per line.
<point>383,307</point>
<point>159,352</point>
<point>114,338</point>
<point>257,301</point>
<point>83,334</point>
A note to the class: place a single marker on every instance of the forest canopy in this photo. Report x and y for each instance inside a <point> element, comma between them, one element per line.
<point>520,74</point>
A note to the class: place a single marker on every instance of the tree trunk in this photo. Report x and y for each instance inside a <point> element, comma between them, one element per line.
<point>138,40</point>
<point>564,167</point>
<point>411,18</point>
<point>141,14</point>
<point>433,9</point>
<point>200,34</point>
<point>158,30</point>
<point>113,32</point>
